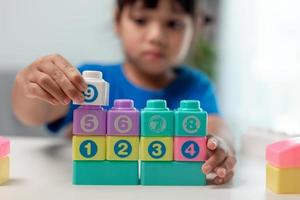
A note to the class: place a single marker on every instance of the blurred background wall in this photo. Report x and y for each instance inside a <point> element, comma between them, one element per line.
<point>252,46</point>
<point>259,63</point>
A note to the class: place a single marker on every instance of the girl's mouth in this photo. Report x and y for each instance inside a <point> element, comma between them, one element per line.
<point>153,55</point>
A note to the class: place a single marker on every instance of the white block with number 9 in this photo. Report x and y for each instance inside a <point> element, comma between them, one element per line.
<point>98,89</point>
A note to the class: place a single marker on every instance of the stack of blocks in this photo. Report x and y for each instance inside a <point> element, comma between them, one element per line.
<point>283,166</point>
<point>4,160</point>
<point>107,146</point>
<point>169,160</point>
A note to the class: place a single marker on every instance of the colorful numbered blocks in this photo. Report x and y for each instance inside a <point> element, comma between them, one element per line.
<point>122,148</point>
<point>89,148</point>
<point>157,120</point>
<point>190,148</point>
<point>169,160</point>
<point>156,148</point>
<point>107,146</point>
<point>123,119</point>
<point>283,166</point>
<point>190,119</point>
<point>90,120</point>
<point>98,89</point>
<point>4,160</point>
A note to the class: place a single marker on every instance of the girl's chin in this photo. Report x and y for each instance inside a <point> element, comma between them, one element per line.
<point>155,70</point>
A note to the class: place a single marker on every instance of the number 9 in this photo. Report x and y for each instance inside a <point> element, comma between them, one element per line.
<point>90,94</point>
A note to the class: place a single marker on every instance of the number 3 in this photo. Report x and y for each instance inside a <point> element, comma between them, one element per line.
<point>157,149</point>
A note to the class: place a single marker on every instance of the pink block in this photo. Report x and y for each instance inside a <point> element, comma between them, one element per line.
<point>4,147</point>
<point>190,148</point>
<point>284,154</point>
<point>89,120</point>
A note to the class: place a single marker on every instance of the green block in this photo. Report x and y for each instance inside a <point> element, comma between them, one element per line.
<point>172,173</point>
<point>105,173</point>
<point>190,119</point>
<point>157,120</point>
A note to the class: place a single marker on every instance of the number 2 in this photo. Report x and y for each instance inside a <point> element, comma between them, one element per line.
<point>123,148</point>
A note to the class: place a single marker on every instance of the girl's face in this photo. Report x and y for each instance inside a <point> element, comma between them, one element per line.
<point>154,40</point>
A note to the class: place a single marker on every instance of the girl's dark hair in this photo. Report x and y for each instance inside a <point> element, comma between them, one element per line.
<point>188,6</point>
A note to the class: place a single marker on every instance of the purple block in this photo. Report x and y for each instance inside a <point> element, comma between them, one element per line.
<point>89,120</point>
<point>123,119</point>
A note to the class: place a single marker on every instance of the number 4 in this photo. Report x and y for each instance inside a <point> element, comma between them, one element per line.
<point>191,150</point>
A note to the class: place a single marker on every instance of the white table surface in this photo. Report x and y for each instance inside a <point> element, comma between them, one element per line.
<point>41,168</point>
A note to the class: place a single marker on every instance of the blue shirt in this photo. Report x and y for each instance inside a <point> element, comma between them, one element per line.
<point>188,84</point>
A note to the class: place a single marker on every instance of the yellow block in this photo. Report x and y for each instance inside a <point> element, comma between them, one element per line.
<point>283,180</point>
<point>156,148</point>
<point>122,148</point>
<point>88,147</point>
<point>4,170</point>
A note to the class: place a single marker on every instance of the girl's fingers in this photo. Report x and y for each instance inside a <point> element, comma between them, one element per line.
<point>70,71</point>
<point>216,159</point>
<point>212,143</point>
<point>35,91</point>
<point>218,180</point>
<point>49,85</point>
<point>226,167</point>
<point>64,83</point>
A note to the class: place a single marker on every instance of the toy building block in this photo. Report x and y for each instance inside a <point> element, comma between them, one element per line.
<point>89,120</point>
<point>283,166</point>
<point>97,92</point>
<point>157,120</point>
<point>4,169</point>
<point>190,148</point>
<point>4,159</point>
<point>122,148</point>
<point>190,119</point>
<point>156,148</point>
<point>89,148</point>
<point>4,147</point>
<point>105,173</point>
<point>123,119</point>
<point>172,173</point>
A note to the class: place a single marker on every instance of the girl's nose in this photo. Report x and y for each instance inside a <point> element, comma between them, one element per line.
<point>156,34</point>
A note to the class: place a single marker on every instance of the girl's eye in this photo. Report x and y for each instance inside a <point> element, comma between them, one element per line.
<point>175,24</point>
<point>140,21</point>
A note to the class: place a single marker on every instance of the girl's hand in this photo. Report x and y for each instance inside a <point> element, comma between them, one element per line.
<point>221,160</point>
<point>52,79</point>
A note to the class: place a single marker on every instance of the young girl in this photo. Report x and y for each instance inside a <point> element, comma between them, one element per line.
<point>156,36</point>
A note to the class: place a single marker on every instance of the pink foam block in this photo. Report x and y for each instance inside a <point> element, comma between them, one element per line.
<point>4,147</point>
<point>284,154</point>
<point>190,148</point>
